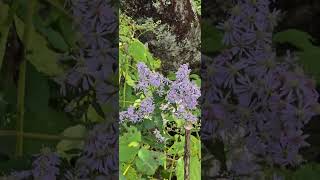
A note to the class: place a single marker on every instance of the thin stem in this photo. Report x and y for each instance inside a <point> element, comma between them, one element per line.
<point>22,78</point>
<point>127,169</point>
<point>39,136</point>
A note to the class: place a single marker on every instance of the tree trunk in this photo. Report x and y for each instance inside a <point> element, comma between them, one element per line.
<point>181,44</point>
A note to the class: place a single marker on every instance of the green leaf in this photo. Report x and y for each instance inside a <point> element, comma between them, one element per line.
<point>149,161</point>
<point>67,31</point>
<point>211,38</point>
<point>65,145</point>
<point>295,37</point>
<point>59,5</point>
<point>44,59</point>
<point>195,168</point>
<point>131,173</point>
<point>56,40</point>
<point>4,30</point>
<point>310,61</point>
<point>137,50</point>
<point>128,152</point>
<point>308,53</point>
<point>40,117</point>
<point>93,116</point>
<point>307,172</point>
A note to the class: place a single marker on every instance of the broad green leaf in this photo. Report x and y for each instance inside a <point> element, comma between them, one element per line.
<point>137,50</point>
<point>67,31</point>
<point>44,59</point>
<point>295,37</point>
<point>56,40</point>
<point>211,40</point>
<point>76,131</point>
<point>307,172</point>
<point>310,59</point>
<point>127,152</point>
<point>40,117</point>
<point>59,5</point>
<point>308,53</point>
<point>195,169</point>
<point>4,30</point>
<point>93,116</point>
<point>128,172</point>
<point>149,161</point>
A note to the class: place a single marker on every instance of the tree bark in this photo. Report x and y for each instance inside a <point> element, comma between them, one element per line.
<point>184,25</point>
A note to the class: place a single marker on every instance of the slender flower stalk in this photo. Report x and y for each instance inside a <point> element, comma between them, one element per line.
<point>22,78</point>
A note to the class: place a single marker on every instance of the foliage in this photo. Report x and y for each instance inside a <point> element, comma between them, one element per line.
<point>141,155</point>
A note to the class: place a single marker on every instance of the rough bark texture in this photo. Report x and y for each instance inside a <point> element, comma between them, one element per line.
<point>179,40</point>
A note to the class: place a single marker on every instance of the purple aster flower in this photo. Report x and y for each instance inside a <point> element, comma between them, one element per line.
<point>100,150</point>
<point>149,79</point>
<point>46,165</point>
<point>256,91</point>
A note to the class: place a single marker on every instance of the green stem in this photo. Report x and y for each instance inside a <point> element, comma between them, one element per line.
<point>22,78</point>
<point>39,136</point>
<point>128,167</point>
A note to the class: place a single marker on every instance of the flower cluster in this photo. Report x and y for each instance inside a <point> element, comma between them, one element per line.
<point>100,154</point>
<point>96,56</point>
<point>184,93</point>
<point>149,79</point>
<point>44,167</point>
<point>158,135</point>
<point>248,87</point>
<point>145,110</point>
<point>181,92</point>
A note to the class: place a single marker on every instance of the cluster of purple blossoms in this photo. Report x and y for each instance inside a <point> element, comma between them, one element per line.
<point>248,87</point>
<point>181,92</point>
<point>100,154</point>
<point>44,167</point>
<point>148,79</point>
<point>137,115</point>
<point>184,94</point>
<point>96,56</point>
